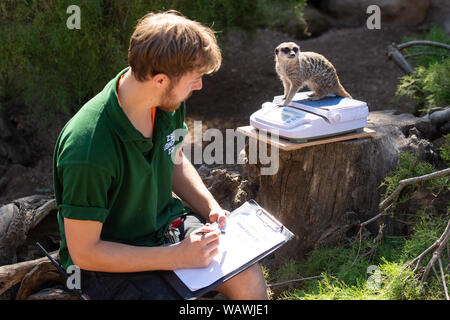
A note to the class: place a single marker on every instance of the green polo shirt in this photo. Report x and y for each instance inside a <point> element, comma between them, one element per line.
<point>105,170</point>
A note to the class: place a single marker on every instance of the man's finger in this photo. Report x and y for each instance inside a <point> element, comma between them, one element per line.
<point>211,236</point>
<point>222,221</point>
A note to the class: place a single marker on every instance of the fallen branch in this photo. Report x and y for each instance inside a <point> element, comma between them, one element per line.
<point>283,283</point>
<point>405,182</point>
<point>440,244</point>
<point>20,217</point>
<point>387,203</point>
<point>438,247</point>
<point>13,274</point>
<point>39,277</point>
<point>443,279</point>
<point>53,294</point>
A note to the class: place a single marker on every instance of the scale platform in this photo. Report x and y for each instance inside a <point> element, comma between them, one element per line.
<point>307,120</point>
<point>289,145</point>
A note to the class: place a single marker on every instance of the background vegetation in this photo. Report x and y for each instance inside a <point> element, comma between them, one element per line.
<point>374,268</point>
<point>429,84</point>
<point>50,68</point>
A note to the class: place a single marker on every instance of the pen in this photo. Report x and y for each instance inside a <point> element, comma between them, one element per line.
<point>205,232</point>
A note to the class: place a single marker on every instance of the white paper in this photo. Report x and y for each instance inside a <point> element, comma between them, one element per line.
<point>246,237</point>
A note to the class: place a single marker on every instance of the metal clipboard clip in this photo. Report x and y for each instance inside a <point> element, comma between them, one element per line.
<point>273,224</point>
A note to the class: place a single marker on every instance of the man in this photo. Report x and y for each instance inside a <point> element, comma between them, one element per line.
<point>114,173</point>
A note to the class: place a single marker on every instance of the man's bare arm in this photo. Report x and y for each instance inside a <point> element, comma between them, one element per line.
<point>89,252</point>
<point>188,185</point>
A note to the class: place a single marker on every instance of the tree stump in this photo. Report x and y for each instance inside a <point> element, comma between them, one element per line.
<point>322,192</point>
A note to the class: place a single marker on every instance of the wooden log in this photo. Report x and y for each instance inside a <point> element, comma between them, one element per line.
<point>18,219</point>
<point>53,294</point>
<point>13,274</point>
<point>38,278</point>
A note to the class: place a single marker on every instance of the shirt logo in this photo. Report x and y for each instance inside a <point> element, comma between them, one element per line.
<point>170,144</point>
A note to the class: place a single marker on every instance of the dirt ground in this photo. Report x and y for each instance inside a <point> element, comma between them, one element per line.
<point>246,79</point>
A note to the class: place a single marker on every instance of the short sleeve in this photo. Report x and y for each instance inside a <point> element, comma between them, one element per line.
<point>84,192</point>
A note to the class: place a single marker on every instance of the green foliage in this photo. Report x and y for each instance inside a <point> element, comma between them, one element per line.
<point>354,281</point>
<point>53,69</point>
<point>434,34</point>
<point>427,230</point>
<point>409,166</point>
<point>429,84</point>
<point>445,150</point>
<point>346,269</point>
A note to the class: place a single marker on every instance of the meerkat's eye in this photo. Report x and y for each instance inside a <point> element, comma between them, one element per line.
<point>285,50</point>
<point>295,49</point>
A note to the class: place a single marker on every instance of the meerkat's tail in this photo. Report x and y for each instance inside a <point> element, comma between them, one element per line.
<point>341,92</point>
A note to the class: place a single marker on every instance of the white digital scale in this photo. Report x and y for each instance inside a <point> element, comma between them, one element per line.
<point>304,120</point>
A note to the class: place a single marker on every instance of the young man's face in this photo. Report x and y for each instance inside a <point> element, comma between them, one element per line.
<point>175,95</point>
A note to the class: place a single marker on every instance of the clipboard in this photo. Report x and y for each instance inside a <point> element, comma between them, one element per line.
<point>267,221</point>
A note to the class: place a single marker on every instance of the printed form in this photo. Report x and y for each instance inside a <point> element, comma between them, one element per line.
<point>247,235</point>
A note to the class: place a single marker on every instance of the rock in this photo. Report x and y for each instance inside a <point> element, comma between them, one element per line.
<point>352,13</point>
<point>21,181</point>
<point>227,186</point>
<point>440,117</point>
<point>13,148</point>
<point>441,120</point>
<point>5,128</point>
<point>204,171</point>
<point>439,14</point>
<point>316,22</point>
<point>401,12</point>
<point>390,125</point>
<point>445,129</point>
<point>312,24</point>
<point>427,128</point>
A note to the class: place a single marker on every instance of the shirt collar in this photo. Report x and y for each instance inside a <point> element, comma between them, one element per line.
<point>121,124</point>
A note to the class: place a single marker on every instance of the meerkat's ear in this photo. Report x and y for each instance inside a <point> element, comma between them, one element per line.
<point>276,51</point>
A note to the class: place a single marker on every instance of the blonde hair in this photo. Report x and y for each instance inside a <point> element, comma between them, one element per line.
<point>172,44</point>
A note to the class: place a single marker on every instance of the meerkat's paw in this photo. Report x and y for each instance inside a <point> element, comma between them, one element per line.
<point>315,96</point>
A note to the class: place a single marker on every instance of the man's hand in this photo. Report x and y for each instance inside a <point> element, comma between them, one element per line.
<point>198,250</point>
<point>219,215</point>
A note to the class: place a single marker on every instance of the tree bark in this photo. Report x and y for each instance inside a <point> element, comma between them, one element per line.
<point>17,219</point>
<point>38,278</point>
<point>13,274</point>
<point>321,192</point>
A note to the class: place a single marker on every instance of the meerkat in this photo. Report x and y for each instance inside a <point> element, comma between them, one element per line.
<point>297,69</point>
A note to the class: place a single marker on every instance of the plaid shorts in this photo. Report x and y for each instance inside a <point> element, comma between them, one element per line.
<point>147,285</point>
